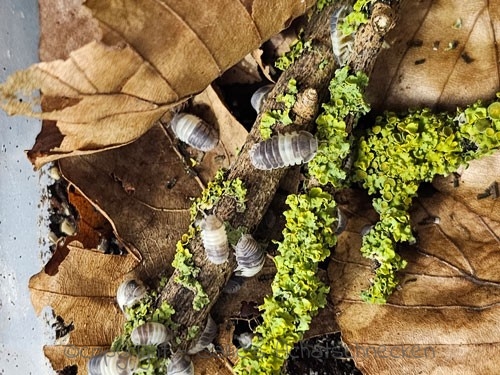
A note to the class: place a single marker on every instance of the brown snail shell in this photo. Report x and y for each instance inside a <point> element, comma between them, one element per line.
<point>249,256</point>
<point>194,131</point>
<point>150,333</point>
<point>307,104</point>
<point>113,363</point>
<point>284,150</point>
<point>214,238</point>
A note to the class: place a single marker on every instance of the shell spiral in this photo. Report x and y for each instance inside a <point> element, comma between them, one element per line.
<point>180,364</point>
<point>194,131</point>
<point>113,363</point>
<point>129,293</point>
<point>284,150</point>
<point>214,238</point>
<point>249,256</point>
<point>150,333</point>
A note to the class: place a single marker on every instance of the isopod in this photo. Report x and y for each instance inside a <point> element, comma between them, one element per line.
<point>213,235</point>
<point>180,364</point>
<point>341,221</point>
<point>129,293</point>
<point>244,340</point>
<point>194,131</point>
<point>113,363</point>
<point>284,150</point>
<point>150,333</point>
<point>259,96</point>
<point>206,337</point>
<point>249,256</point>
<point>233,285</point>
<point>342,45</point>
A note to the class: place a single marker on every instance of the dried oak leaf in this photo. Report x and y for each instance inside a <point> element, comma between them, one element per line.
<point>442,55</point>
<point>152,56</point>
<point>444,316</point>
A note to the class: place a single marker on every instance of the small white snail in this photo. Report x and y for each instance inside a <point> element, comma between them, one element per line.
<point>207,336</point>
<point>194,131</point>
<point>129,293</point>
<point>259,96</point>
<point>150,333</point>
<point>113,363</point>
<point>180,364</point>
<point>342,45</point>
<point>214,238</point>
<point>249,256</point>
<point>284,150</point>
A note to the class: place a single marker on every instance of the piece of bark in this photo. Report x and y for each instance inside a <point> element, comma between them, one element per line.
<point>262,185</point>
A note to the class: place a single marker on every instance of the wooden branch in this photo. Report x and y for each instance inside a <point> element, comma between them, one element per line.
<point>262,185</point>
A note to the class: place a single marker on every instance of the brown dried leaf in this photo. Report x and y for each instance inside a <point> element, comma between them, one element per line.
<point>434,64</point>
<point>443,317</point>
<point>105,96</point>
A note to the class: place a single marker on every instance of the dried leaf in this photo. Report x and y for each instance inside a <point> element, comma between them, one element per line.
<point>105,96</point>
<point>443,317</point>
<point>431,63</point>
<point>245,72</point>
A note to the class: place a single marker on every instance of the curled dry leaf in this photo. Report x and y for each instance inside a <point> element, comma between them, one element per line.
<point>441,55</point>
<point>107,95</point>
<point>444,316</point>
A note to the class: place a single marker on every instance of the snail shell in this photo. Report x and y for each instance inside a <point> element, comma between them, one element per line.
<point>180,364</point>
<point>307,104</point>
<point>207,336</point>
<point>113,363</point>
<point>342,45</point>
<point>129,293</point>
<point>233,285</point>
<point>213,235</point>
<point>284,150</point>
<point>150,333</point>
<point>249,256</point>
<point>259,96</point>
<point>194,131</point>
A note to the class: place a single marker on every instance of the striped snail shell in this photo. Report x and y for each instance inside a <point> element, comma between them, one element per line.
<point>307,104</point>
<point>207,336</point>
<point>284,150</point>
<point>150,333</point>
<point>341,221</point>
<point>233,285</point>
<point>249,256</point>
<point>342,45</point>
<point>259,96</point>
<point>113,363</point>
<point>129,293</point>
<point>194,131</point>
<point>180,364</point>
<point>214,238</point>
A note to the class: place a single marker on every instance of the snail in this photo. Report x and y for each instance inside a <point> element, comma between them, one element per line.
<point>259,96</point>
<point>284,150</point>
<point>249,256</point>
<point>233,285</point>
<point>194,131</point>
<point>206,337</point>
<point>214,238</point>
<point>307,104</point>
<point>342,45</point>
<point>180,364</point>
<point>150,333</point>
<point>129,293</point>
<point>113,363</point>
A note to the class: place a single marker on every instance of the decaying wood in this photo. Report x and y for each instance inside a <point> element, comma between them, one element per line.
<point>262,185</point>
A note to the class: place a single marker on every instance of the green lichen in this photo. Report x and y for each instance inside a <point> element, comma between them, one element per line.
<point>297,48</point>
<point>346,97</point>
<point>358,16</point>
<point>297,291</point>
<point>399,153</point>
<point>192,332</point>
<point>145,311</point>
<point>282,116</point>
<point>322,4</point>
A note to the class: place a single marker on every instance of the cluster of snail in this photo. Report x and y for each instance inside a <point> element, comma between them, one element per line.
<point>129,293</point>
